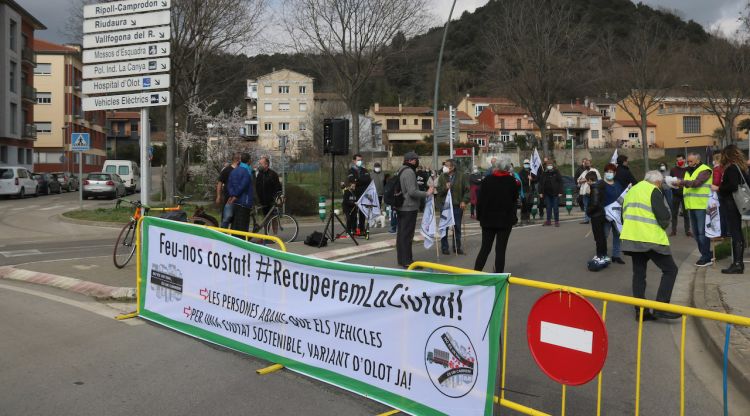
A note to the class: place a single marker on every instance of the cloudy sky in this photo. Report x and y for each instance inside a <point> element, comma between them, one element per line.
<point>710,13</point>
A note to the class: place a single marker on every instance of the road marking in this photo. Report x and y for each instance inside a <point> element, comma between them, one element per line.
<point>20,253</point>
<point>567,337</point>
<point>92,307</point>
<point>52,207</point>
<point>54,260</point>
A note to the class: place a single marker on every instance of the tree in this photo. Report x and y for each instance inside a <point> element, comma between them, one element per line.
<point>537,46</point>
<point>641,71</point>
<point>721,70</point>
<point>354,38</point>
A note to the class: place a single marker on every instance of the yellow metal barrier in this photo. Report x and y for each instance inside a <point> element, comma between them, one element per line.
<point>605,297</point>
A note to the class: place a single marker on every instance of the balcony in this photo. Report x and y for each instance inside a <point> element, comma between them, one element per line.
<point>28,56</point>
<point>29,131</point>
<point>250,130</point>
<point>28,93</point>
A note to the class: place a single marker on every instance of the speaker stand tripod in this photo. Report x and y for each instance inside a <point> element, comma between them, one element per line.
<point>330,232</point>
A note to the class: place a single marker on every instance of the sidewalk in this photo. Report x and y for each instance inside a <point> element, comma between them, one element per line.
<point>727,293</point>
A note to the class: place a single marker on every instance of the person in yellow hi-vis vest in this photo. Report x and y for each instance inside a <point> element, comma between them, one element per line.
<point>697,191</point>
<point>646,216</point>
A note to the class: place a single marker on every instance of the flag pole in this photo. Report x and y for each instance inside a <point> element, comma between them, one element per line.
<point>435,218</point>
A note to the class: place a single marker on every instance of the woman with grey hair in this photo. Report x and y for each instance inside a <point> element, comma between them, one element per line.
<point>496,212</point>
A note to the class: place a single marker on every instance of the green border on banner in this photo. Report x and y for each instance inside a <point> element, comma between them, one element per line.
<point>499,281</point>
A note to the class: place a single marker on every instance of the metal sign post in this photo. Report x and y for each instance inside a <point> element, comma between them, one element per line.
<point>145,162</point>
<point>80,142</point>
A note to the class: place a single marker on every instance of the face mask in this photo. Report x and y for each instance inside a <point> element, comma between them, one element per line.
<point>663,168</point>
<point>359,163</point>
<point>549,167</point>
<point>377,170</point>
<point>526,166</point>
<point>445,169</point>
<point>475,170</point>
<point>680,163</point>
<point>609,176</point>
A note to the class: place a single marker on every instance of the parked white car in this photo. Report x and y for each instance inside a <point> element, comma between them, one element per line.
<point>16,180</point>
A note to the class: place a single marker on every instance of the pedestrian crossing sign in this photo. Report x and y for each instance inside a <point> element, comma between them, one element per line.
<point>80,142</point>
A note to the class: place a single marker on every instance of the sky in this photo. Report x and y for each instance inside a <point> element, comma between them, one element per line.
<point>721,14</point>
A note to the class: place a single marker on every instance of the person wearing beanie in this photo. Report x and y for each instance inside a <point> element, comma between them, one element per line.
<point>407,212</point>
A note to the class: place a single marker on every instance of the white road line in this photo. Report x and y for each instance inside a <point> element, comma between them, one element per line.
<point>54,260</point>
<point>52,207</point>
<point>20,253</point>
<point>92,307</point>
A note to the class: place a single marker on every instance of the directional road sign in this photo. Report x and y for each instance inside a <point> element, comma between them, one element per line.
<point>133,21</point>
<point>119,101</point>
<point>115,69</point>
<point>142,82</point>
<point>80,142</point>
<point>126,37</point>
<point>567,337</point>
<point>124,7</point>
<point>121,53</point>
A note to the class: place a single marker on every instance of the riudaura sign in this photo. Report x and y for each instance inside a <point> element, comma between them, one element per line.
<point>425,343</point>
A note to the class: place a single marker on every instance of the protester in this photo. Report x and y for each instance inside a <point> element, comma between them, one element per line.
<point>645,219</point>
<point>493,161</point>
<point>240,189</point>
<point>393,220</point>
<point>496,211</point>
<point>595,211</point>
<point>612,191</point>
<point>474,181</point>
<point>583,190</point>
<point>407,213</point>
<point>678,171</point>
<point>550,190</point>
<point>539,172</point>
<point>222,191</point>
<point>697,190</point>
<point>423,183</point>
<point>378,177</point>
<point>581,169</point>
<point>361,178</point>
<point>666,189</point>
<point>267,185</point>
<point>623,175</point>
<point>528,182</point>
<point>734,174</point>
<point>349,205</point>
<point>451,179</point>
<point>718,172</point>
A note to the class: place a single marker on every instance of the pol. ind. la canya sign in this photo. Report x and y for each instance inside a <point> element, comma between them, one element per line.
<point>422,342</point>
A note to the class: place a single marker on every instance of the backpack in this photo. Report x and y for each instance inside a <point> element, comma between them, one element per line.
<point>180,216</point>
<point>316,239</point>
<point>392,194</point>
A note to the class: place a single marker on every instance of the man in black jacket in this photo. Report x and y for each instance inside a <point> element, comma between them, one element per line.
<point>595,211</point>
<point>267,184</point>
<point>361,179</point>
<point>623,175</point>
<point>528,182</point>
<point>551,189</point>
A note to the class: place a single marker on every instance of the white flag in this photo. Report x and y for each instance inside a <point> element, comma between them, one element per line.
<point>536,162</point>
<point>613,211</point>
<point>446,215</point>
<point>427,228</point>
<point>613,160</point>
<point>369,204</point>
<point>713,222</point>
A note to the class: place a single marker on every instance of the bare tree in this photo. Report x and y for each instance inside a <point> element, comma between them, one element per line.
<point>721,70</point>
<point>537,46</point>
<point>353,37</point>
<point>641,71</point>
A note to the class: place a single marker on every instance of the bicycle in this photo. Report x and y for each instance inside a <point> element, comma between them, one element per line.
<point>275,222</point>
<point>125,243</point>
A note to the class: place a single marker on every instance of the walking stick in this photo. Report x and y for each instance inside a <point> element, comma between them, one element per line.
<point>436,217</point>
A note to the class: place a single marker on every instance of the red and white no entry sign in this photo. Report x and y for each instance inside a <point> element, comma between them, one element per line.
<point>567,338</point>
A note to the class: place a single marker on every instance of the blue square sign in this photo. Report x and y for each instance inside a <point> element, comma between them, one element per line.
<point>146,82</point>
<point>80,142</point>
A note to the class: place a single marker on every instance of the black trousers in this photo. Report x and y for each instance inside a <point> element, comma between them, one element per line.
<point>678,200</point>
<point>526,203</point>
<point>500,237</point>
<point>597,228</point>
<point>407,223</point>
<point>734,228</point>
<point>241,218</point>
<point>351,218</point>
<point>668,274</point>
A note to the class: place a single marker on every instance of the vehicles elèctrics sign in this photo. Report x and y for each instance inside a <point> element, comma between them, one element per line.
<point>126,38</point>
<point>422,342</point>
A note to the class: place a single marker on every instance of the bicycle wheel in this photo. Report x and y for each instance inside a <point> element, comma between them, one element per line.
<point>283,226</point>
<point>124,246</point>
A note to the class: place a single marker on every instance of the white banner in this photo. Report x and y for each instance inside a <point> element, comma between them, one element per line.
<point>427,228</point>
<point>713,220</point>
<point>536,162</point>
<point>422,342</point>
<point>369,204</point>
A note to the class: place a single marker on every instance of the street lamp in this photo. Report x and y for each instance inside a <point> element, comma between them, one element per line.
<point>572,149</point>
<point>686,143</point>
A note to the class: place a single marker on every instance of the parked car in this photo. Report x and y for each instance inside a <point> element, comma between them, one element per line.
<point>47,183</point>
<point>127,170</point>
<point>103,184</point>
<point>17,180</point>
<point>67,180</point>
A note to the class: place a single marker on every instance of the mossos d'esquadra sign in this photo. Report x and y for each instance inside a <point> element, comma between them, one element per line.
<point>126,51</point>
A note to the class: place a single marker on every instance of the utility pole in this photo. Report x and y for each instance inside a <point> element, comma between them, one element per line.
<point>437,90</point>
<point>452,128</point>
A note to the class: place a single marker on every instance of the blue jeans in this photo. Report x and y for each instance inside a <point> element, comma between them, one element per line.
<point>698,224</point>
<point>552,202</point>
<point>226,215</point>
<point>457,231</point>
<point>586,199</point>
<point>615,238</point>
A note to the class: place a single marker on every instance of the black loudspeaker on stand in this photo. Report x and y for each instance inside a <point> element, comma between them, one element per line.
<point>335,142</point>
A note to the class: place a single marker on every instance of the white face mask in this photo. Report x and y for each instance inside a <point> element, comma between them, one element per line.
<point>526,166</point>
<point>359,163</point>
<point>549,167</point>
<point>445,169</point>
<point>377,170</point>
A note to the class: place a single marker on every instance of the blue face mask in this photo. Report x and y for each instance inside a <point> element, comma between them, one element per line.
<point>609,176</point>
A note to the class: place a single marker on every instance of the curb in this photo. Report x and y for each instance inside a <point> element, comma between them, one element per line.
<point>63,218</point>
<point>95,290</point>
<point>705,296</point>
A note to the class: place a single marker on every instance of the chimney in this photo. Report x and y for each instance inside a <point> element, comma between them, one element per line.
<point>400,107</point>
<point>377,107</point>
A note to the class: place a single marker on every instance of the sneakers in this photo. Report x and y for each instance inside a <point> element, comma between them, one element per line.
<point>666,315</point>
<point>704,263</point>
<point>557,223</point>
<point>606,259</point>
<point>584,222</point>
